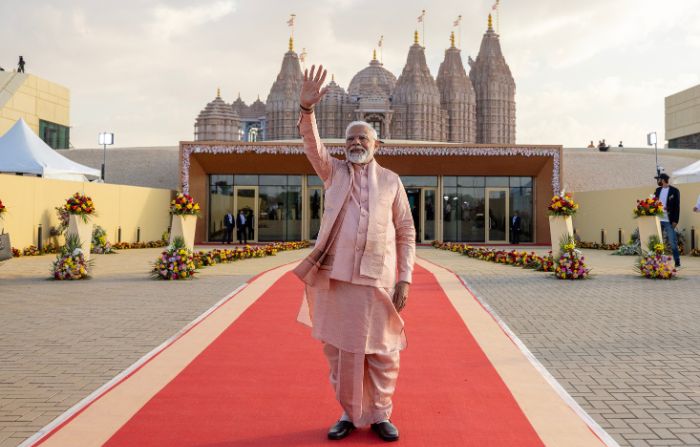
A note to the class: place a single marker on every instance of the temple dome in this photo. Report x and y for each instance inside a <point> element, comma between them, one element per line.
<point>217,121</point>
<point>335,93</point>
<point>256,109</point>
<point>372,79</point>
<point>218,109</point>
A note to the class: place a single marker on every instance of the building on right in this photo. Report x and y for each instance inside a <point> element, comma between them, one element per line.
<point>682,112</point>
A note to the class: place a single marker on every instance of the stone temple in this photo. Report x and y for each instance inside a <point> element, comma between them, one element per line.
<point>454,107</point>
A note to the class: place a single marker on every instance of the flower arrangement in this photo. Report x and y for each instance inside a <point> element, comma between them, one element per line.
<point>176,262</point>
<point>562,205</point>
<point>70,262</point>
<point>656,265</point>
<point>570,264</point>
<point>184,204</point>
<point>3,209</point>
<point>651,206</point>
<point>100,244</point>
<point>80,205</point>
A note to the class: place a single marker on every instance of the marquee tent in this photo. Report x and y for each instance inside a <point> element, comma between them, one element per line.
<point>22,151</point>
<point>689,174</point>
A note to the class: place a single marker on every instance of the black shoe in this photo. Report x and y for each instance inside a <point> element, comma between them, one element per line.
<point>340,430</point>
<point>386,430</point>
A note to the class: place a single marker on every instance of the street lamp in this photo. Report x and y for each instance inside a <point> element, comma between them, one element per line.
<point>651,140</point>
<point>105,138</point>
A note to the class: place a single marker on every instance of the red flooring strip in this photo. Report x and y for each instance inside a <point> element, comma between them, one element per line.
<point>263,382</point>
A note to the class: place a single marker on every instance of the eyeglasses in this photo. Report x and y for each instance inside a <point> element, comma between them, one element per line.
<point>362,138</point>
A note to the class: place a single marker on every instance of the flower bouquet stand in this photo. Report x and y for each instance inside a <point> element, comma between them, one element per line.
<point>184,212</point>
<point>647,213</point>
<point>80,208</point>
<point>561,227</point>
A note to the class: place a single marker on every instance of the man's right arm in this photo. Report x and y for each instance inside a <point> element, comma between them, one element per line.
<point>316,152</point>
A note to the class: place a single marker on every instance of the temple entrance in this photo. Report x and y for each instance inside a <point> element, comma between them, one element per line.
<point>422,203</point>
<point>497,215</point>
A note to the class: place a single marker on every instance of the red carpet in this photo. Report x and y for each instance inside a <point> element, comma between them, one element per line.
<point>263,382</point>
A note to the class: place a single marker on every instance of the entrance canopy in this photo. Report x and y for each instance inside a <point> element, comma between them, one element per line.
<point>689,174</point>
<point>22,151</point>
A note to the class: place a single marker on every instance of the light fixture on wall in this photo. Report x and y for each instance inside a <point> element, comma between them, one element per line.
<point>105,139</point>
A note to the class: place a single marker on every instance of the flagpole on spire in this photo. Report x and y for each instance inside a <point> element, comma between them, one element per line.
<point>380,45</point>
<point>290,23</point>
<point>497,9</point>
<point>302,58</point>
<point>458,24</point>
<point>421,19</point>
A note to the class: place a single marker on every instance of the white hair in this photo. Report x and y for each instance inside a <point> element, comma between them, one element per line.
<point>372,130</point>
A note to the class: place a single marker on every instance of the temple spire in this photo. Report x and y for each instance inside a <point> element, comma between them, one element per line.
<point>218,92</point>
<point>415,37</point>
<point>452,39</point>
<point>490,23</point>
<point>291,42</point>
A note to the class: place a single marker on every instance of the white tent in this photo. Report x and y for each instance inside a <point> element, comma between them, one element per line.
<point>21,150</point>
<point>689,174</point>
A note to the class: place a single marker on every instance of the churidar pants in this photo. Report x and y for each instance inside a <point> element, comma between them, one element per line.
<point>364,383</point>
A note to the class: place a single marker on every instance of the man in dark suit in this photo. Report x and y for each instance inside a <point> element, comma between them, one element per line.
<point>229,224</point>
<point>241,226</point>
<point>671,198</point>
<point>249,224</point>
<point>515,228</point>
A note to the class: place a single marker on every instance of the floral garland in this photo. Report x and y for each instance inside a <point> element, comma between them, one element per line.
<point>562,205</point>
<point>650,206</point>
<point>70,263</point>
<point>513,257</point>
<point>80,205</point>
<point>184,205</point>
<point>278,149</point>
<point>656,265</point>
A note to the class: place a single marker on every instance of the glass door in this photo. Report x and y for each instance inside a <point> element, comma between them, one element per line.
<point>246,200</point>
<point>429,202</point>
<point>414,199</point>
<point>315,195</point>
<point>496,218</point>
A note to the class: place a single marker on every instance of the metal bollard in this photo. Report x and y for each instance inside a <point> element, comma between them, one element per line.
<point>39,243</point>
<point>619,236</point>
<point>119,234</point>
<point>602,236</point>
<point>692,238</point>
<point>138,234</point>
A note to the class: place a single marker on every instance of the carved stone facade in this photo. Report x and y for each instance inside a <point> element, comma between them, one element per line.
<point>455,107</point>
<point>495,92</point>
<point>217,122</point>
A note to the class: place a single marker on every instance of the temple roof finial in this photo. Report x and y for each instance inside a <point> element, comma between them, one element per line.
<point>291,43</point>
<point>332,77</point>
<point>452,39</point>
<point>218,92</point>
<point>374,54</point>
<point>490,23</point>
<point>415,37</point>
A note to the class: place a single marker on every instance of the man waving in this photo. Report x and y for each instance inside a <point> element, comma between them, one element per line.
<point>353,293</point>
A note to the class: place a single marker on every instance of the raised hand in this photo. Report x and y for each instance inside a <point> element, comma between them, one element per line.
<point>311,91</point>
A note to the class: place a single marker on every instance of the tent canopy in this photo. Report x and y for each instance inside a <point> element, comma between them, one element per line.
<point>22,151</point>
<point>689,174</point>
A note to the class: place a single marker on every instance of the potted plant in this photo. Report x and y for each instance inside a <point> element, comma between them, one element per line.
<point>80,208</point>
<point>184,221</point>
<point>561,208</point>
<point>647,213</point>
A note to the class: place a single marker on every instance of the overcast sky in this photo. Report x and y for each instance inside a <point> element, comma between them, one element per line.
<point>144,69</point>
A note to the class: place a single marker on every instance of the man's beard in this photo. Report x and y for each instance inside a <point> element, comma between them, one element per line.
<point>356,156</point>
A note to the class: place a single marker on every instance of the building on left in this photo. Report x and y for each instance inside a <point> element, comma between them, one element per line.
<point>44,105</point>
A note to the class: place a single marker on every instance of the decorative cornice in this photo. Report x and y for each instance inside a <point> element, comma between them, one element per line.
<point>187,149</point>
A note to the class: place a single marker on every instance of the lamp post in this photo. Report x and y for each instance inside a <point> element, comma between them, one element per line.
<point>651,140</point>
<point>105,139</point>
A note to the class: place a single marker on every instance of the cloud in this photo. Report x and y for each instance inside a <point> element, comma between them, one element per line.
<point>169,21</point>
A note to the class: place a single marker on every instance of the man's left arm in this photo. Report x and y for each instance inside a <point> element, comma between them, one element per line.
<point>676,208</point>
<point>405,246</point>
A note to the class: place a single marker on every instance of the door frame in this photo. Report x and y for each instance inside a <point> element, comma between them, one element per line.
<point>434,189</point>
<point>256,205</point>
<point>487,215</point>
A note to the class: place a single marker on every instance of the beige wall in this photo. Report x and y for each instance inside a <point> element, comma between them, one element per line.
<point>31,201</point>
<point>683,113</point>
<point>612,209</point>
<point>32,98</point>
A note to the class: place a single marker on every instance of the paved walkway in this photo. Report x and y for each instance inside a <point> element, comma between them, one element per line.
<point>60,341</point>
<point>626,348</point>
